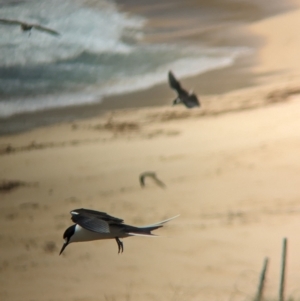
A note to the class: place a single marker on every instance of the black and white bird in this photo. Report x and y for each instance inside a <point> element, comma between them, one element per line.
<point>151,174</point>
<point>95,225</point>
<point>189,99</point>
<point>28,27</point>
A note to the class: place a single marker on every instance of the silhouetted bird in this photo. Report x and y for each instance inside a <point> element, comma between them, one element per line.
<point>28,27</point>
<point>189,99</point>
<point>152,175</point>
<point>95,225</point>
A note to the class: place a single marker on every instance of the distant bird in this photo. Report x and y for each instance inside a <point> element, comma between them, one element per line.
<point>152,175</point>
<point>189,99</point>
<point>95,225</point>
<point>28,26</point>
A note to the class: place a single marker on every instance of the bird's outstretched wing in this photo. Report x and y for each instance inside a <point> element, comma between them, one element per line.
<point>142,179</point>
<point>45,29</point>
<point>28,25</point>
<point>175,84</point>
<point>159,182</point>
<point>94,221</point>
<point>11,22</point>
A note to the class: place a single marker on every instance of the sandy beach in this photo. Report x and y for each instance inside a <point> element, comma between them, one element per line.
<point>231,170</point>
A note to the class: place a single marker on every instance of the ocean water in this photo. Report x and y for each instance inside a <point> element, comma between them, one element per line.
<point>101,52</point>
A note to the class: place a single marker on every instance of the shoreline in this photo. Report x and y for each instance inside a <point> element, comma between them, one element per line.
<point>214,82</point>
<point>241,74</point>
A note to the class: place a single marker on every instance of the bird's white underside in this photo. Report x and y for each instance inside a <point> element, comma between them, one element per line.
<point>82,234</point>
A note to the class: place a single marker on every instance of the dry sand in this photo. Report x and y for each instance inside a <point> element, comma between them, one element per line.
<point>233,178</point>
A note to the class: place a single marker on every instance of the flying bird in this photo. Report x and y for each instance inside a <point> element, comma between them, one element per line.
<point>152,175</point>
<point>95,225</point>
<point>28,27</point>
<point>189,99</point>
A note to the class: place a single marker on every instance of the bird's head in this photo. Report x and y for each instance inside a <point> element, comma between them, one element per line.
<point>67,236</point>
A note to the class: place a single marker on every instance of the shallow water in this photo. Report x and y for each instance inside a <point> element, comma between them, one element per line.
<point>101,52</point>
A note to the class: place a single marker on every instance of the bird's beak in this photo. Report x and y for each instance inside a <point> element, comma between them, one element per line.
<point>63,247</point>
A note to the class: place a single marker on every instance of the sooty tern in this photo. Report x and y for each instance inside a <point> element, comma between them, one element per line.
<point>189,99</point>
<point>28,26</point>
<point>152,175</point>
<point>94,225</point>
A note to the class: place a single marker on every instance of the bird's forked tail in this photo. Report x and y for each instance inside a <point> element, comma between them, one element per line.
<point>146,230</point>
